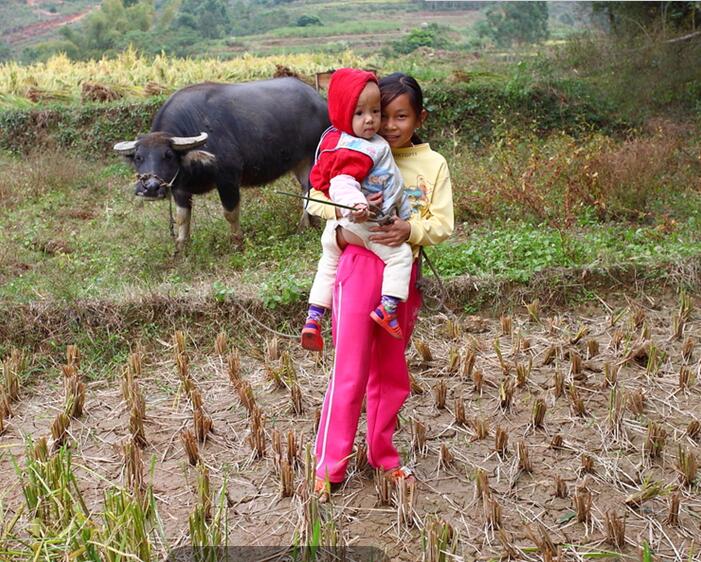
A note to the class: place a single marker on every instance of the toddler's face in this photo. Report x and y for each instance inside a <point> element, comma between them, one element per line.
<point>367,115</point>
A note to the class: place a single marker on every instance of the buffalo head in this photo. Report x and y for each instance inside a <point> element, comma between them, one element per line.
<point>158,158</point>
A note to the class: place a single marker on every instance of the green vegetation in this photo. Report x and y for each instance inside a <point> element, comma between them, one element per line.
<point>330,30</point>
<point>578,155</point>
<point>74,231</point>
<point>507,23</point>
<point>516,251</point>
<point>574,157</point>
<point>432,35</point>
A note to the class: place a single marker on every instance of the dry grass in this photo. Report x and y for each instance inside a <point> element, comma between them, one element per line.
<point>446,458</point>
<point>672,518</point>
<point>501,442</point>
<point>583,503</point>
<point>524,462</point>
<point>256,436</point>
<point>686,465</point>
<point>468,368</point>
<point>424,350</point>
<point>655,441</point>
<point>418,441</point>
<point>459,412</point>
<point>189,441</point>
<point>617,487</point>
<point>541,538</point>
<point>440,393</point>
<point>538,415</point>
<point>560,487</point>
<point>615,530</point>
<point>480,427</point>
<point>576,401</point>
<point>556,442</point>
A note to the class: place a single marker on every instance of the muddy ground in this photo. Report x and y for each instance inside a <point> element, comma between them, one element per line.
<point>259,516</point>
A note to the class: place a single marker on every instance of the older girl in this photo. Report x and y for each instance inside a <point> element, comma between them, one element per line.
<point>369,362</point>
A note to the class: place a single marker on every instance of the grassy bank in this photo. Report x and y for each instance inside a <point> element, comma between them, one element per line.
<point>86,107</point>
<point>462,114</point>
<point>74,231</point>
<point>559,218</point>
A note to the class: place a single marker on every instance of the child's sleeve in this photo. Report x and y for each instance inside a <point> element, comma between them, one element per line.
<point>326,212</point>
<point>437,223</point>
<point>345,190</point>
<point>347,162</point>
<point>404,207</point>
<point>343,161</point>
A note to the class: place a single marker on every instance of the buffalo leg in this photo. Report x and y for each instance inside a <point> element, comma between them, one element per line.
<point>231,201</point>
<point>183,214</point>
<point>301,172</point>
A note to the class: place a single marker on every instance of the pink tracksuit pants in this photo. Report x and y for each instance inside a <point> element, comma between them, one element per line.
<point>368,362</point>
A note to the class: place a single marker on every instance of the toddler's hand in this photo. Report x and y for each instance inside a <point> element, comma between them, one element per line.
<point>375,198</point>
<point>360,214</point>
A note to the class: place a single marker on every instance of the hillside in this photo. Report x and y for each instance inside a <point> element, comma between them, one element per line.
<point>23,22</point>
<point>260,27</point>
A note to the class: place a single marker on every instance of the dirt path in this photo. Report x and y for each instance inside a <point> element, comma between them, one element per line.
<point>35,3</point>
<point>25,33</point>
<point>601,338</point>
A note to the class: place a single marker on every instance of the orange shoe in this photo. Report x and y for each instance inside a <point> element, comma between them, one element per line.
<point>311,336</point>
<point>401,473</point>
<point>387,321</point>
<point>322,489</point>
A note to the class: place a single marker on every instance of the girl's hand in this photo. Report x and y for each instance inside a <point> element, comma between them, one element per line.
<point>391,234</point>
<point>360,214</point>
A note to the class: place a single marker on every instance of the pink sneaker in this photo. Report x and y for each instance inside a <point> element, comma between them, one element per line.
<point>311,336</point>
<point>387,321</point>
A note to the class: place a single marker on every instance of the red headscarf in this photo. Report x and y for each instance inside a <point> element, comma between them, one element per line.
<point>344,90</point>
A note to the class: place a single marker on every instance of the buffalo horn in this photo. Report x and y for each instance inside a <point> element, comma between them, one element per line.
<point>125,148</point>
<point>186,143</point>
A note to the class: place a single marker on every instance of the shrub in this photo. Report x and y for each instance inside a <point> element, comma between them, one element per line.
<point>431,35</point>
<point>562,179</point>
<point>304,21</point>
<point>642,76</point>
<point>283,288</point>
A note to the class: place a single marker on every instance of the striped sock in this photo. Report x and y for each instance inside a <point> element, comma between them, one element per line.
<point>316,312</point>
<point>390,303</point>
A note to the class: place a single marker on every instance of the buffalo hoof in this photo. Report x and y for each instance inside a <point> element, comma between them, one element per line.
<point>181,247</point>
<point>237,241</point>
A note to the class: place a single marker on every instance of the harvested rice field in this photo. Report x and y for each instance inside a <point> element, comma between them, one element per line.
<point>539,435</point>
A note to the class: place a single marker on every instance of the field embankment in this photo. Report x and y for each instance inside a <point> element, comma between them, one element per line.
<point>572,431</point>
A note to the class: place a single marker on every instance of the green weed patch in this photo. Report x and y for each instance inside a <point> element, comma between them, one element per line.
<point>517,251</point>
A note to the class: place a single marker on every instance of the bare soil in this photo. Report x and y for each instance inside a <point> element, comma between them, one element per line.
<point>50,23</point>
<point>258,516</point>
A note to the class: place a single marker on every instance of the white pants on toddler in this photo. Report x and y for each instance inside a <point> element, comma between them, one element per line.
<point>398,263</point>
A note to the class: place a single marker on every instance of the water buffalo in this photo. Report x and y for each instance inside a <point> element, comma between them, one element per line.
<point>224,136</point>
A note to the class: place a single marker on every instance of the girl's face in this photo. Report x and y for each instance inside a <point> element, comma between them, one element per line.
<point>399,121</point>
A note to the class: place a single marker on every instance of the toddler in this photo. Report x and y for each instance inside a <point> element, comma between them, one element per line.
<point>353,160</point>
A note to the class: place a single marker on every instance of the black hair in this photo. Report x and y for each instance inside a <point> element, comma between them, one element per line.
<point>398,84</point>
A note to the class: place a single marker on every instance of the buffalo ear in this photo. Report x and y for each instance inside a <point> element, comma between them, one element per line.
<point>198,159</point>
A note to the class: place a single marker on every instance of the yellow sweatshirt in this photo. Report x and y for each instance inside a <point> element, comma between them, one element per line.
<point>427,185</point>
